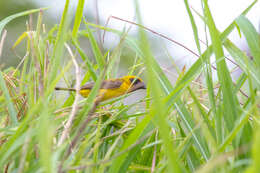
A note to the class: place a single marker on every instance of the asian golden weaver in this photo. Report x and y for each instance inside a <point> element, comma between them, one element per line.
<point>111,88</point>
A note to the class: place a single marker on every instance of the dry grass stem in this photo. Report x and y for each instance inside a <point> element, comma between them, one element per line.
<point>74,106</point>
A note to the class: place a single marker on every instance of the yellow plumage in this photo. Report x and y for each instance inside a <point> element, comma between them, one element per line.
<point>112,88</point>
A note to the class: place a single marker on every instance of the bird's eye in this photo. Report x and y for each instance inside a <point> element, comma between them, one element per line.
<point>135,80</point>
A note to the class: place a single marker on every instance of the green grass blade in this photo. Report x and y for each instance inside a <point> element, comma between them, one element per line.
<point>157,107</point>
<point>9,102</point>
<point>238,126</point>
<point>230,101</point>
<point>96,50</point>
<point>203,113</point>
<point>189,124</point>
<point>255,166</point>
<point>86,60</point>
<point>10,18</point>
<point>252,37</point>
<point>14,142</point>
<point>194,26</point>
<point>208,72</point>
<point>59,43</point>
<point>133,153</point>
<point>243,61</point>
<point>78,17</point>
<point>132,138</point>
<point>45,134</point>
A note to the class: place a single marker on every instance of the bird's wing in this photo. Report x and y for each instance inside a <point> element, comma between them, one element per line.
<point>111,84</point>
<point>88,85</point>
<point>107,84</point>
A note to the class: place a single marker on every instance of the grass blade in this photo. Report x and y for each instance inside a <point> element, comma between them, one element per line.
<point>230,101</point>
<point>78,17</point>
<point>252,37</point>
<point>10,18</point>
<point>9,101</point>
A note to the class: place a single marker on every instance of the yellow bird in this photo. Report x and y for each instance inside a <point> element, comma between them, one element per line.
<point>111,88</point>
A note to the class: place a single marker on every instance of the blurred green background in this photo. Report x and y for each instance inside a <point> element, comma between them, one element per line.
<point>15,28</point>
<point>163,21</point>
<point>51,17</point>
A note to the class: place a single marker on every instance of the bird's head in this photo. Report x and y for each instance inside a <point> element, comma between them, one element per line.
<point>134,82</point>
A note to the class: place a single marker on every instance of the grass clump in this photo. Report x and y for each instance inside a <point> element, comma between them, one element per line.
<point>210,126</point>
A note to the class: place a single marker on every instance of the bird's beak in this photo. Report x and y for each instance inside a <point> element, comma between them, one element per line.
<point>138,86</point>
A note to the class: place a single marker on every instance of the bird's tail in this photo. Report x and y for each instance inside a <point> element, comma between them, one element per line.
<point>67,89</point>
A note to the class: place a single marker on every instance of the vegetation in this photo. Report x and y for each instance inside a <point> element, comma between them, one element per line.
<point>197,124</point>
